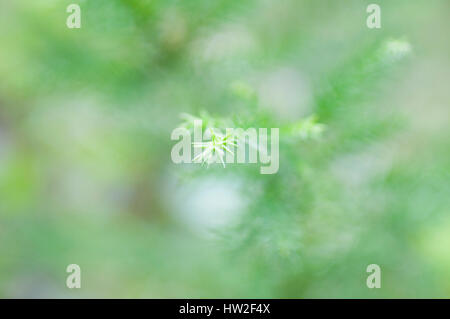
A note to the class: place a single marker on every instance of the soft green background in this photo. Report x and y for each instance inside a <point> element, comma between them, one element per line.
<point>86,175</point>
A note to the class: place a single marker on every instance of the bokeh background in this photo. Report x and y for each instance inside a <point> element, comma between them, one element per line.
<point>86,175</point>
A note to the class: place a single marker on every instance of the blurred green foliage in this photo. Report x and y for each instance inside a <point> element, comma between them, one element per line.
<point>85,169</point>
